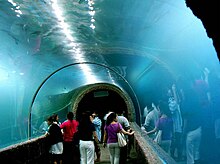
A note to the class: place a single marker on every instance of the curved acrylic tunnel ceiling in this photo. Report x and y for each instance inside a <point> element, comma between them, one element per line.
<point>140,46</point>
<point>64,89</point>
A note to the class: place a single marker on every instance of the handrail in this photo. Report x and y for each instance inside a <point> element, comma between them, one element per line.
<point>152,152</point>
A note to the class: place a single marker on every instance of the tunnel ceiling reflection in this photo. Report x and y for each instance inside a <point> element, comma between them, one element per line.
<point>143,45</point>
<point>136,38</point>
<point>52,33</point>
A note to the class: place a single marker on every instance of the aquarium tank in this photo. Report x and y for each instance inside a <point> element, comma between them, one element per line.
<point>51,48</point>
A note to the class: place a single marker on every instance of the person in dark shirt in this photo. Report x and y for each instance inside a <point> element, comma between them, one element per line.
<point>87,135</point>
<point>192,129</point>
<point>55,141</point>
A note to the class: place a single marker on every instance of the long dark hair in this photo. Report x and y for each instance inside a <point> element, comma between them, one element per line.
<point>164,108</point>
<point>70,116</point>
<point>111,118</point>
<point>85,121</point>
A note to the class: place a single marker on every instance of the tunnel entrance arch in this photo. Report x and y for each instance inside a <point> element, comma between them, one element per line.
<point>103,97</point>
<point>133,113</point>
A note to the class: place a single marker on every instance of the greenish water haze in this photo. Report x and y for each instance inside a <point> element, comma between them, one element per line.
<point>140,46</point>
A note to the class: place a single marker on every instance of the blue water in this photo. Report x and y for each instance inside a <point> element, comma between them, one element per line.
<point>142,46</point>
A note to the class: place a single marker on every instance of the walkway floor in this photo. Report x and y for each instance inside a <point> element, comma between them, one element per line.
<point>106,160</point>
<point>133,160</point>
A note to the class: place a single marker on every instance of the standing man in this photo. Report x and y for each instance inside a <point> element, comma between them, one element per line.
<point>98,124</point>
<point>126,126</point>
<point>173,102</point>
<point>151,119</point>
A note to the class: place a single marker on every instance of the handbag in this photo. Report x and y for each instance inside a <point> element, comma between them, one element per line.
<point>157,139</point>
<point>121,139</point>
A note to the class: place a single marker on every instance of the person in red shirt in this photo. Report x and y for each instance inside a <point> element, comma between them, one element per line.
<point>69,128</point>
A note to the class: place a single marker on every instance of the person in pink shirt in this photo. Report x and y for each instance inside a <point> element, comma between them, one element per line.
<point>69,128</point>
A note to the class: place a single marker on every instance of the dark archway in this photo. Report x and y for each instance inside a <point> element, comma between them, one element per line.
<point>102,101</point>
<point>103,97</point>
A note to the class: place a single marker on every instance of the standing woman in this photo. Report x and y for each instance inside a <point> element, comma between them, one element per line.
<point>56,118</point>
<point>112,127</point>
<point>165,124</point>
<point>87,135</point>
<point>55,141</point>
<point>69,128</point>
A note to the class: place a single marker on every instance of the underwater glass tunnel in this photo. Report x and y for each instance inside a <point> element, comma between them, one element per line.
<point>51,51</point>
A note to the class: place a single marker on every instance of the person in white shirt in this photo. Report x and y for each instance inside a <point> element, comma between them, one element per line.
<point>151,119</point>
<point>126,126</point>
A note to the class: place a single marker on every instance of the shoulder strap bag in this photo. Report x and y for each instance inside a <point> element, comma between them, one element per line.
<point>121,138</point>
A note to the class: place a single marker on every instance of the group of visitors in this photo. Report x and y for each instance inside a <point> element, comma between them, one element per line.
<point>187,121</point>
<point>181,129</point>
<point>188,117</point>
<point>59,138</point>
<point>78,141</point>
